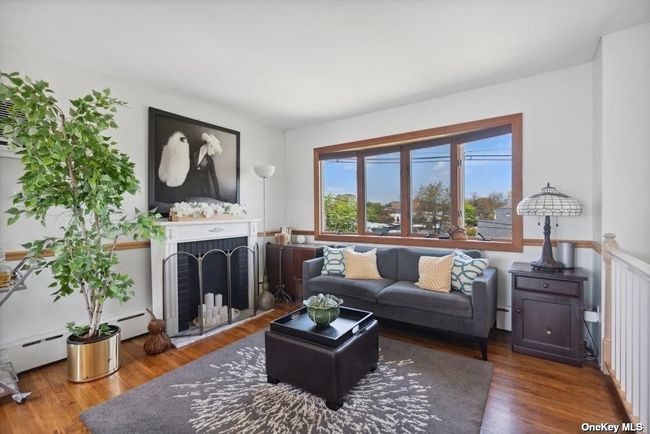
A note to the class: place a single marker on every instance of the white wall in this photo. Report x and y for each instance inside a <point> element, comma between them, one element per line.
<point>594,298</point>
<point>625,130</point>
<point>621,178</point>
<point>557,147</point>
<point>32,312</point>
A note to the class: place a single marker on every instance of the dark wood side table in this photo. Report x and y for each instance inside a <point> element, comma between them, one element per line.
<point>293,255</point>
<point>547,309</point>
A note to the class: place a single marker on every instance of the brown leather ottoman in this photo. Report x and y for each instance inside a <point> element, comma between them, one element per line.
<point>320,369</point>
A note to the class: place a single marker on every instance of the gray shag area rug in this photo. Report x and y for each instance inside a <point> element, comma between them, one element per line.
<point>414,390</point>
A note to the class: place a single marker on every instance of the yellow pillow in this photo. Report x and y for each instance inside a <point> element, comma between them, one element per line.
<point>360,265</point>
<point>435,273</point>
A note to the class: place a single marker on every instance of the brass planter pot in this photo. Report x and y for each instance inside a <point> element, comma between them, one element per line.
<point>93,359</point>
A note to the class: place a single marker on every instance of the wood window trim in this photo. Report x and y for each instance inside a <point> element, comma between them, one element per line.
<point>371,146</point>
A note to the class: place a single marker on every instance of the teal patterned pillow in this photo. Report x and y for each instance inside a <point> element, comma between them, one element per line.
<point>465,270</point>
<point>333,264</point>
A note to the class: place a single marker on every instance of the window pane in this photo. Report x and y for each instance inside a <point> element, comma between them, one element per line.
<point>340,195</point>
<point>430,191</point>
<point>383,193</point>
<point>488,187</point>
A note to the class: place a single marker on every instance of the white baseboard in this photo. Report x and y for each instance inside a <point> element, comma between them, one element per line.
<point>34,351</point>
<point>504,318</point>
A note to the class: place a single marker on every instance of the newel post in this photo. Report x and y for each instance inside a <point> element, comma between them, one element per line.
<point>609,244</point>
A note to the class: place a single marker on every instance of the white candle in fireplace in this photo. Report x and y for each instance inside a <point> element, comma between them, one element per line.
<point>219,301</point>
<point>216,318</point>
<point>208,299</point>
<point>208,317</point>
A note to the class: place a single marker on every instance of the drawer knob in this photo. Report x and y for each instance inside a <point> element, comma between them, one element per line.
<point>544,285</point>
<point>548,330</point>
<point>518,310</point>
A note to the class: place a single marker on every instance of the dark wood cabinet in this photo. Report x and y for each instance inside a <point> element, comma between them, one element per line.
<point>547,309</point>
<point>289,258</point>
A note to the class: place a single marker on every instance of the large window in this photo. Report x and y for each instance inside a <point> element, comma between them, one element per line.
<point>416,188</point>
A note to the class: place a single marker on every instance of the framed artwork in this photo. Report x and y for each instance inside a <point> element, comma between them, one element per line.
<point>191,161</point>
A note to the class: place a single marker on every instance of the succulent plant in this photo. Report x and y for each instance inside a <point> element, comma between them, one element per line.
<point>323,301</point>
<point>323,308</point>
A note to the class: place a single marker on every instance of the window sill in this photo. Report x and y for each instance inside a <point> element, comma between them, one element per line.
<point>497,246</point>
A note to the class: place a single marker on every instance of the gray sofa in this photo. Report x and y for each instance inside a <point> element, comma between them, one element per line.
<point>396,297</point>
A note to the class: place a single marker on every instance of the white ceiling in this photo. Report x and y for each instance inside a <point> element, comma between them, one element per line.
<point>295,63</point>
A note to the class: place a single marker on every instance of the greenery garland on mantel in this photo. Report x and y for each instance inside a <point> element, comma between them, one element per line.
<point>73,167</point>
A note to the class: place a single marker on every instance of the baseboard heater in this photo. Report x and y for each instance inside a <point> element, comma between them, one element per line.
<point>34,351</point>
<point>504,319</point>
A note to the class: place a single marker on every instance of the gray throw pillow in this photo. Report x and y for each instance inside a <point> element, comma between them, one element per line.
<point>334,265</point>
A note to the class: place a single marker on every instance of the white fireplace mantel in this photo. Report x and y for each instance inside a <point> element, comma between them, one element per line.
<point>165,304</point>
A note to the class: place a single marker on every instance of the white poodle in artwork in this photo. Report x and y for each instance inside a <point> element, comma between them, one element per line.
<point>175,160</point>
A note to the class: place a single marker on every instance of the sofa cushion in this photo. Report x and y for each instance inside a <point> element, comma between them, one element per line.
<point>435,273</point>
<point>386,260</point>
<point>406,294</point>
<point>361,265</point>
<point>408,260</point>
<point>341,287</point>
<point>465,270</point>
<point>334,263</point>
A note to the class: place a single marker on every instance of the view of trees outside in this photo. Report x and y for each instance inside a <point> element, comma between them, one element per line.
<point>487,168</point>
<point>340,213</point>
<point>430,190</point>
<point>431,209</point>
<point>340,199</point>
<point>483,208</point>
<point>378,213</point>
<point>382,193</point>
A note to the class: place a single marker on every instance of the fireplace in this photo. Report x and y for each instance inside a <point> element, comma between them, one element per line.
<point>214,276</point>
<point>178,300</point>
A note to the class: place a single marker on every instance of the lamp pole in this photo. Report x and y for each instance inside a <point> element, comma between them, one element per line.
<point>265,279</point>
<point>266,299</point>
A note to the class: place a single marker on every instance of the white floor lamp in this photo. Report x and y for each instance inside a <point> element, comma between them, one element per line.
<point>266,300</point>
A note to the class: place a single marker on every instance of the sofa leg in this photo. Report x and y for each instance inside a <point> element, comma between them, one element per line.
<point>482,343</point>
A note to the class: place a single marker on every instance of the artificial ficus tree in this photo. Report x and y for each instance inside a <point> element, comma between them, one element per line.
<point>72,167</point>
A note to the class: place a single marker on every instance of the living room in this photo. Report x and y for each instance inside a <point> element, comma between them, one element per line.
<point>453,177</point>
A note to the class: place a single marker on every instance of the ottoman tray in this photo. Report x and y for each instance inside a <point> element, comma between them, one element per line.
<point>298,324</point>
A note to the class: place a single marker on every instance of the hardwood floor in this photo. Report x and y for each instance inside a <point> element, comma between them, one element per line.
<point>527,394</point>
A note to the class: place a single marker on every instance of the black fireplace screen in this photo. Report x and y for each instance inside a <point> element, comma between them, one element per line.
<point>214,277</point>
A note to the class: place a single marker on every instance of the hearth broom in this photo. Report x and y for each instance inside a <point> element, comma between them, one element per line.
<point>157,342</point>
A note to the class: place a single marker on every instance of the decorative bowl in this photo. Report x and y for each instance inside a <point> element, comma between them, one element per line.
<point>323,309</point>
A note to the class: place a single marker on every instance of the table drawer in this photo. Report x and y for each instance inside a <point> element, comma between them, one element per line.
<point>552,286</point>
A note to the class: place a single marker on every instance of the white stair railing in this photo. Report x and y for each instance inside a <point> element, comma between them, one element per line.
<point>627,323</point>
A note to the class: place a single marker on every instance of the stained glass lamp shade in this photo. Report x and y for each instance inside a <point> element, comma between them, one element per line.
<point>548,202</point>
